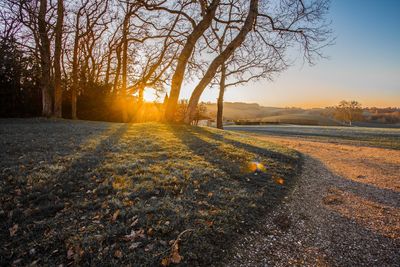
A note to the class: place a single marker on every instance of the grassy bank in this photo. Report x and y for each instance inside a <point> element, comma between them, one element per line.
<point>100,193</point>
<point>359,136</point>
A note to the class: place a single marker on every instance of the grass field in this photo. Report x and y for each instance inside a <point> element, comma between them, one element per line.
<point>376,137</point>
<point>301,119</point>
<point>92,193</point>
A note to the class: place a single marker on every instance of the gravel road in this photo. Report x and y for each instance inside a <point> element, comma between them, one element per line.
<point>331,218</point>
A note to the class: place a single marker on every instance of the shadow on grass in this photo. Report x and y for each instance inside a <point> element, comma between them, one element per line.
<point>359,216</point>
<point>42,225</point>
<point>210,194</point>
<point>249,197</point>
<point>248,147</point>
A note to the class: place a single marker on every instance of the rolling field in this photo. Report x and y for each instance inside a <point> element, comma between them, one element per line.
<point>376,137</point>
<point>301,119</point>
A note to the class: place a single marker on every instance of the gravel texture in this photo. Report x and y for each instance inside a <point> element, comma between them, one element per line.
<point>330,219</point>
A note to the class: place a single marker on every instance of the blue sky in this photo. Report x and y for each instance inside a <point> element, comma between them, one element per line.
<point>363,64</point>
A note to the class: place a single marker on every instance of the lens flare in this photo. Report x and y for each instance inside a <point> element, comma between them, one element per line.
<point>256,167</point>
<point>279,180</point>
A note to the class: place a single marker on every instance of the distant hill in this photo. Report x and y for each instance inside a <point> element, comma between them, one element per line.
<point>252,112</point>
<point>246,111</point>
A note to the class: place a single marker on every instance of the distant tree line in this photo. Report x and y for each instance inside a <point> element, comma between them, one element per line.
<point>352,111</point>
<point>94,59</point>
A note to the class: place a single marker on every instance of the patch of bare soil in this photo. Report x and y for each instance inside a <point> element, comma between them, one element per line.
<point>344,211</point>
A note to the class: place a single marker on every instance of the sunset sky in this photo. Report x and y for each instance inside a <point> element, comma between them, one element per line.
<point>364,64</point>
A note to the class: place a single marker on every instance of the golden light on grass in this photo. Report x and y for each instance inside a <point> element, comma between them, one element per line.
<point>121,182</point>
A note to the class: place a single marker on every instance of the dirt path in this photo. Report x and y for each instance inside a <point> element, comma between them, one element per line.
<point>345,211</point>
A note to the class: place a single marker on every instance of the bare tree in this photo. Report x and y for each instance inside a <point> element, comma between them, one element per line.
<point>207,12</point>
<point>57,59</point>
<point>277,28</point>
<point>220,59</point>
<point>124,44</point>
<point>44,49</point>
<point>155,67</point>
<point>251,62</point>
<point>348,111</point>
<point>90,14</point>
<point>107,58</point>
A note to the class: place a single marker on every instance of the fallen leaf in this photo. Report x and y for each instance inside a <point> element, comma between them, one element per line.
<point>32,251</point>
<point>165,261</point>
<point>134,245</point>
<point>135,234</point>
<point>70,253</point>
<point>150,232</point>
<point>128,203</point>
<point>175,257</point>
<point>149,247</point>
<point>210,194</point>
<point>13,230</point>
<point>34,263</point>
<point>135,221</point>
<point>17,261</point>
<point>115,215</point>
<point>118,254</point>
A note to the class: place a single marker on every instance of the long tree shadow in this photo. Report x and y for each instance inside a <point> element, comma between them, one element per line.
<point>341,236</point>
<point>68,185</point>
<point>60,203</point>
<point>212,153</point>
<point>251,148</point>
<point>261,194</point>
<point>356,218</point>
<point>382,195</point>
<point>229,162</point>
<point>325,231</point>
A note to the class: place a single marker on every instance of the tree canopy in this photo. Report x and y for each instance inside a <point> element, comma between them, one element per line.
<point>95,59</point>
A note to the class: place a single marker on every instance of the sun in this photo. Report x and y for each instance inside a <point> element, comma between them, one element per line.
<point>149,95</point>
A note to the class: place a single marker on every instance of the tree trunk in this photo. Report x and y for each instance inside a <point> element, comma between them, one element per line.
<point>220,59</point>
<point>57,60</point>
<point>183,59</point>
<point>140,95</point>
<point>138,114</point>
<point>220,104</point>
<point>108,69</point>
<point>74,87</point>
<point>125,32</point>
<point>117,70</point>
<point>45,81</point>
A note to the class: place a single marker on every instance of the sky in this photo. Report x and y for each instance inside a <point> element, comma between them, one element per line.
<point>363,64</point>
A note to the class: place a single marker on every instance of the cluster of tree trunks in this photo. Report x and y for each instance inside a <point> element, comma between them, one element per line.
<point>127,47</point>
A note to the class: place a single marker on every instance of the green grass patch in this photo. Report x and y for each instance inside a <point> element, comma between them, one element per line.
<point>359,136</point>
<point>110,194</point>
